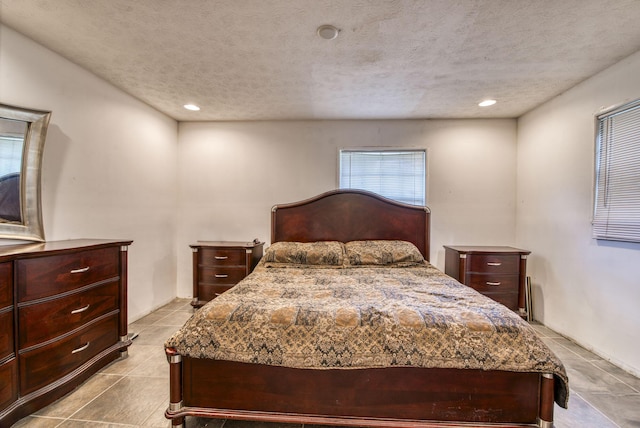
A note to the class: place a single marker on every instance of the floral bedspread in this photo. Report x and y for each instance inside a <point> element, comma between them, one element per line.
<point>364,317</point>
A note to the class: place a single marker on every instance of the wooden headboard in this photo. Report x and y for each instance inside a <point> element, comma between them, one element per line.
<point>351,215</point>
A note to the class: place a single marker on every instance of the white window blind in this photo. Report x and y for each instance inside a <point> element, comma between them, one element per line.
<point>399,174</point>
<point>617,188</point>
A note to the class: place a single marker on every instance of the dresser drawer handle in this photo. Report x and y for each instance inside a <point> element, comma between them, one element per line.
<point>494,264</point>
<point>221,275</point>
<point>221,257</point>
<point>77,311</point>
<point>493,284</point>
<point>81,270</point>
<point>80,349</point>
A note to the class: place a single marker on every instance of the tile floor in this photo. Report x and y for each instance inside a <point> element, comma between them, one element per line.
<point>133,392</point>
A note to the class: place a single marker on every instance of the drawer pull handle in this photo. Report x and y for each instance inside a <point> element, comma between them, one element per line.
<point>494,264</point>
<point>217,294</point>
<point>221,275</point>
<point>221,257</point>
<point>77,311</point>
<point>494,284</point>
<point>80,349</point>
<point>81,270</point>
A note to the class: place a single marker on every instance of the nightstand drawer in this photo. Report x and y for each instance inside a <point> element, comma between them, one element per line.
<point>43,365</point>
<point>45,321</point>
<point>210,292</point>
<point>48,276</point>
<point>493,283</point>
<point>493,263</point>
<point>510,300</point>
<point>219,265</point>
<point>222,275</point>
<point>222,256</point>
<point>496,271</point>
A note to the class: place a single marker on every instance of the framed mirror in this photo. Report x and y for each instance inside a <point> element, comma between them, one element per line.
<point>22,135</point>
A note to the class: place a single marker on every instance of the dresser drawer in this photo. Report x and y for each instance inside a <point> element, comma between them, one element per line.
<point>6,334</point>
<point>493,282</point>
<point>210,292</point>
<point>6,285</point>
<point>48,320</point>
<point>493,263</point>
<point>48,276</point>
<point>223,256</point>
<point>43,365</point>
<point>8,383</point>
<point>222,275</point>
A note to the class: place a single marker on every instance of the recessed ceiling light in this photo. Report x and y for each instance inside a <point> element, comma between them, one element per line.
<point>487,103</point>
<point>328,32</point>
<point>191,107</point>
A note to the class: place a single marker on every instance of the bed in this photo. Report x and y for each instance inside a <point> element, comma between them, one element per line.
<point>344,322</point>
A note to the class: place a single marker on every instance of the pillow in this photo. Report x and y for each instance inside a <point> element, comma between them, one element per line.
<point>382,253</point>
<point>321,253</point>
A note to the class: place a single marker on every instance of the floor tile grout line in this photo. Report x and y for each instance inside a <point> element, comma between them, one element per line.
<point>591,363</point>
<point>127,372</point>
<point>573,352</point>
<point>100,422</point>
<point>52,418</point>
<point>615,377</point>
<point>95,398</point>
<point>594,366</point>
<point>148,377</point>
<point>162,405</point>
<point>595,408</point>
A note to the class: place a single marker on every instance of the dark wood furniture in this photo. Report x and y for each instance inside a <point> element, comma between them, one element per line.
<point>63,316</point>
<point>219,265</point>
<point>8,363</point>
<point>496,271</point>
<point>388,397</point>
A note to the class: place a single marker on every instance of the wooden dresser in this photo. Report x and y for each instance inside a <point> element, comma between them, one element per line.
<point>219,265</point>
<point>63,316</point>
<point>497,272</point>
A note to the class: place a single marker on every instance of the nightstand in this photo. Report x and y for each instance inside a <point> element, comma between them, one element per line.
<point>219,265</point>
<point>497,272</point>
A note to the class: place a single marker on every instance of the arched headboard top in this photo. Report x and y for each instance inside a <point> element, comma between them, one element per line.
<point>351,215</point>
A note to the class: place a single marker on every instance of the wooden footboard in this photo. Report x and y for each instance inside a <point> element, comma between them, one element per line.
<point>389,397</point>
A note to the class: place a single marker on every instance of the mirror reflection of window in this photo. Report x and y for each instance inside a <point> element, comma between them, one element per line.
<point>12,134</point>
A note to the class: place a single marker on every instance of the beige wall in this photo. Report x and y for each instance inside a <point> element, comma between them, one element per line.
<point>232,173</point>
<point>586,289</point>
<point>109,164</point>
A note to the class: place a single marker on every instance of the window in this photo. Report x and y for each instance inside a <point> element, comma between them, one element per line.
<point>617,188</point>
<point>394,174</point>
<point>10,154</point>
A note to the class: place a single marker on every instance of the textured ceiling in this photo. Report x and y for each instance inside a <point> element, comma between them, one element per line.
<point>262,59</point>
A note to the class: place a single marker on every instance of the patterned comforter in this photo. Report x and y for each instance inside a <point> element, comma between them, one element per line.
<point>350,317</point>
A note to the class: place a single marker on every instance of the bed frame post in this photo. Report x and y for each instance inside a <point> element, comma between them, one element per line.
<point>175,387</point>
<point>545,419</point>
